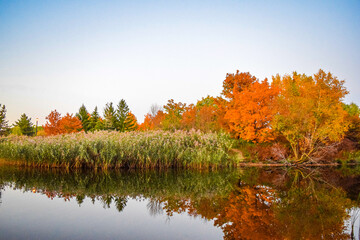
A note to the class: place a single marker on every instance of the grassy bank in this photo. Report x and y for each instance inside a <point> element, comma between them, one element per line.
<point>116,150</point>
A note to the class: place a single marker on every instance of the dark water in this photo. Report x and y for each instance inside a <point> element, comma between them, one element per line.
<point>247,203</point>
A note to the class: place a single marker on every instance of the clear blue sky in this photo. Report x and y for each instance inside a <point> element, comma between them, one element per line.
<point>60,54</point>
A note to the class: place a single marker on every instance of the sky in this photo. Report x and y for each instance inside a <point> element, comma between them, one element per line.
<point>62,54</point>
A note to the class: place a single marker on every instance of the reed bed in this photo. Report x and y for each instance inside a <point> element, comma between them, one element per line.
<point>102,149</point>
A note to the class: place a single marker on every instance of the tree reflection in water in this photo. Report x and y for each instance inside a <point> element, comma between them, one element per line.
<point>250,203</point>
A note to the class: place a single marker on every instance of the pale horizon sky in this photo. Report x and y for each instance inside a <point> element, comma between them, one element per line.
<point>61,54</point>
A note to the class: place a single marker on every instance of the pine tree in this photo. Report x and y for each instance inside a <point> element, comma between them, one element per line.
<point>83,116</point>
<point>94,121</point>
<point>130,123</point>
<point>25,125</point>
<point>122,113</point>
<point>4,127</point>
<point>110,117</point>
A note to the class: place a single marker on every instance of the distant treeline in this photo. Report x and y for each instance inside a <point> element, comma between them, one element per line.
<point>295,116</point>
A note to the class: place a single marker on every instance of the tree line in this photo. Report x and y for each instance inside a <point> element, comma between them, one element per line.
<point>301,114</point>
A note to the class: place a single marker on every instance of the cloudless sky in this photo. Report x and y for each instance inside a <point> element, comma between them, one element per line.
<point>60,54</point>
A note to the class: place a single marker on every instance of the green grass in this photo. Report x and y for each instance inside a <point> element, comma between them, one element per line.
<point>152,149</point>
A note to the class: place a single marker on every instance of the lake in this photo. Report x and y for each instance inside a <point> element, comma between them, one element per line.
<point>243,203</point>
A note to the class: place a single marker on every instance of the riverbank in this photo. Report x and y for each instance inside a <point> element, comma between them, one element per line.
<point>4,162</point>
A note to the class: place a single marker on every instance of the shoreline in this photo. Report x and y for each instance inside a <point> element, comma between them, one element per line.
<point>240,165</point>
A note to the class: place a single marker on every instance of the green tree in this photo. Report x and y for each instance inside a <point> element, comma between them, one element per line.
<point>95,121</point>
<point>4,127</point>
<point>25,125</point>
<point>84,117</point>
<point>122,114</point>
<point>110,120</point>
<point>16,131</point>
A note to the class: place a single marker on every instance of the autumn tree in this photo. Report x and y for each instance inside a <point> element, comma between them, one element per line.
<point>84,116</point>
<point>158,120</point>
<point>309,112</point>
<point>147,124</point>
<point>245,110</point>
<point>235,83</point>
<point>4,127</point>
<point>207,117</point>
<point>25,125</point>
<point>173,115</point>
<point>188,118</point>
<point>353,117</point>
<point>201,116</point>
<point>153,119</point>
<point>52,126</point>
<point>69,124</point>
<point>250,112</point>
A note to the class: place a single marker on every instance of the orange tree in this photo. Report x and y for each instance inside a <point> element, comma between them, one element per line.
<point>246,109</point>
<point>69,124</point>
<point>147,124</point>
<point>309,112</point>
<point>201,116</point>
<point>52,126</point>
<point>250,112</point>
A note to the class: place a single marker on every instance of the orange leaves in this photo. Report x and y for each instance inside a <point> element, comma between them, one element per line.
<point>202,116</point>
<point>52,125</point>
<point>248,214</point>
<point>235,83</point>
<point>69,124</point>
<point>147,124</point>
<point>131,122</point>
<point>158,119</point>
<point>188,120</point>
<point>152,122</point>
<point>248,113</point>
<point>58,125</point>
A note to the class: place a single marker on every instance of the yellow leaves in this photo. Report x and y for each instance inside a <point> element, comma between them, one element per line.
<point>309,111</point>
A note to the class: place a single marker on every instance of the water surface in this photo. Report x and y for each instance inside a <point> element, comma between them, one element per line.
<point>246,203</point>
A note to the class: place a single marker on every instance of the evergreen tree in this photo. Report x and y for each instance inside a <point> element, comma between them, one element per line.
<point>25,125</point>
<point>122,112</point>
<point>95,122</point>
<point>99,125</point>
<point>110,117</point>
<point>130,123</point>
<point>4,127</point>
<point>84,117</point>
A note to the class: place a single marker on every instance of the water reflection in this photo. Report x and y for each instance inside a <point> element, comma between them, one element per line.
<point>249,203</point>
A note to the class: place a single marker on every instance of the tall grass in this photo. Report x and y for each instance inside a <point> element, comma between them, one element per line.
<point>116,150</point>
